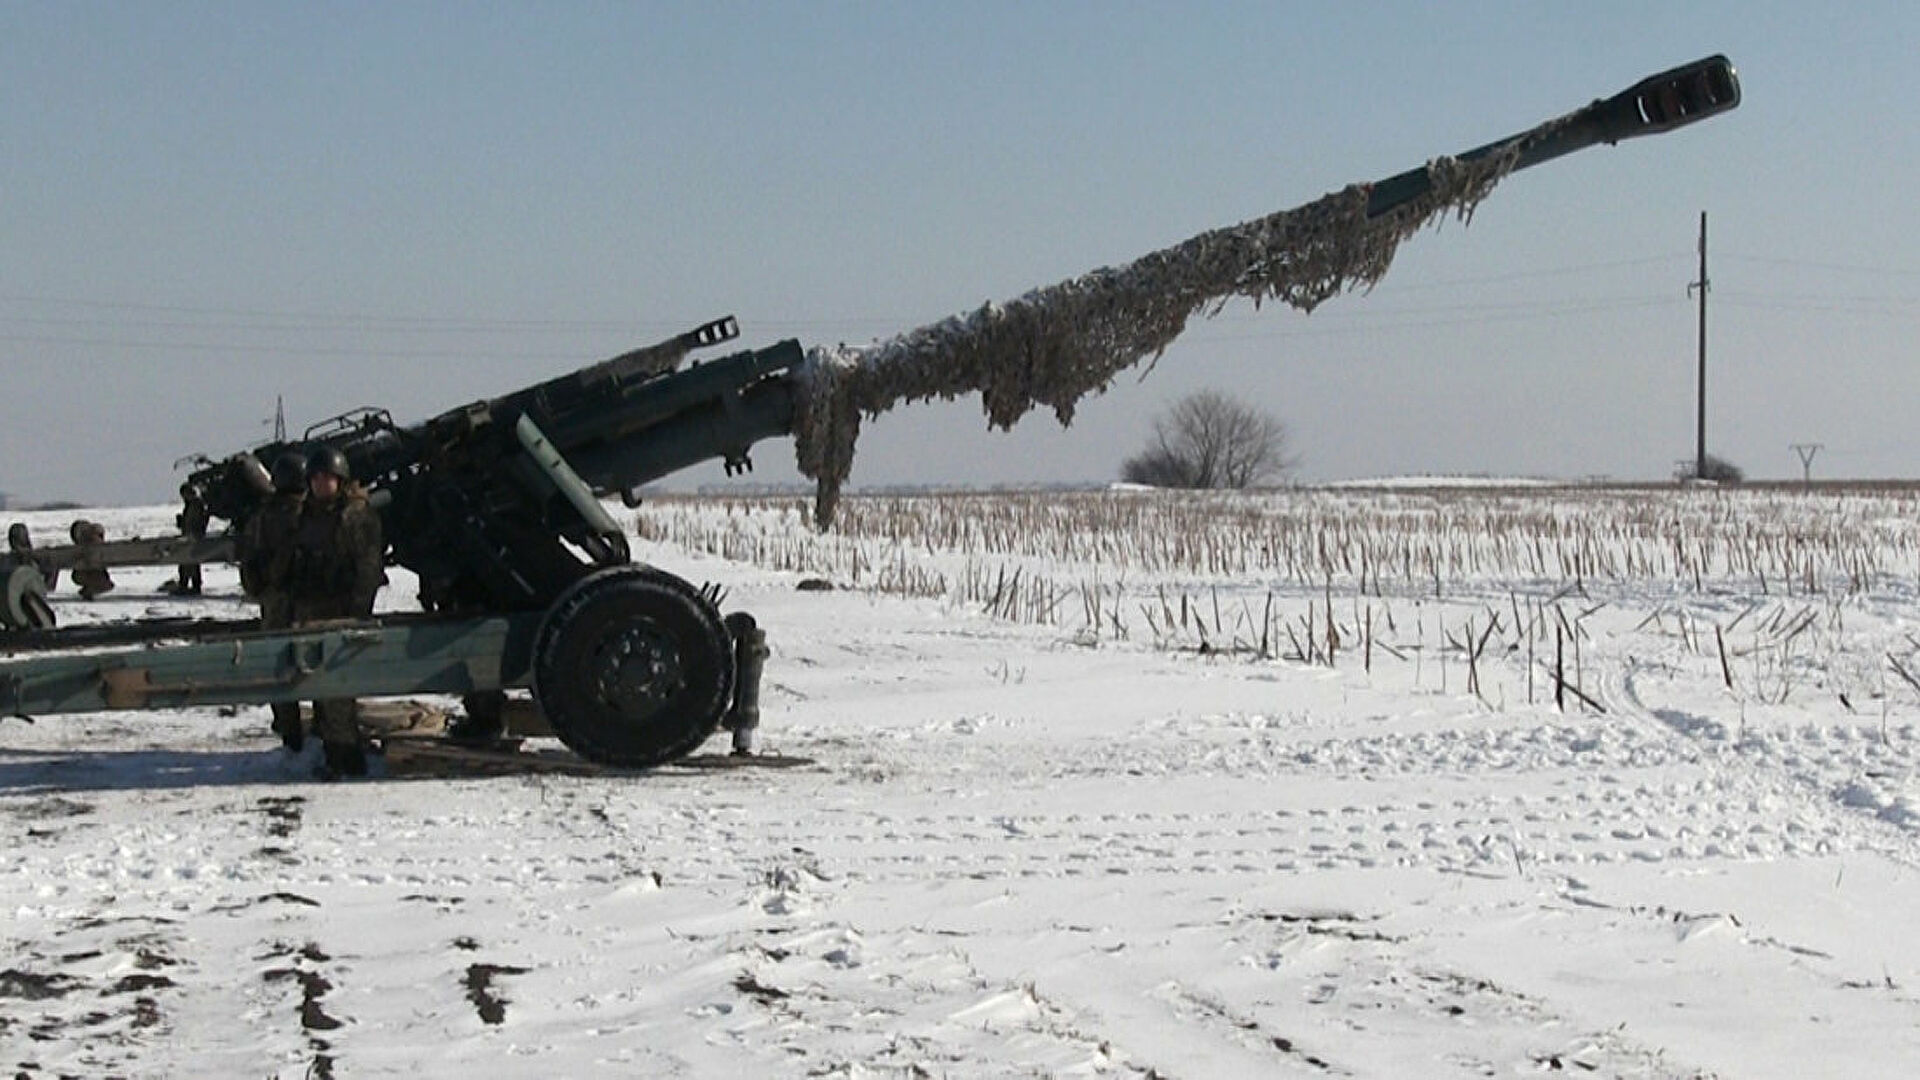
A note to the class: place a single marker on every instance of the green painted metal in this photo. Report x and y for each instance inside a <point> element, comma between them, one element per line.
<point>366,658</point>
<point>138,551</point>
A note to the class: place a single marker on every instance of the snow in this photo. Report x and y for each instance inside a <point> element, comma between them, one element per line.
<point>1018,850</point>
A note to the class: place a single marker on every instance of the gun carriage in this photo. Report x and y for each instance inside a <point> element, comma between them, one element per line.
<point>526,577</point>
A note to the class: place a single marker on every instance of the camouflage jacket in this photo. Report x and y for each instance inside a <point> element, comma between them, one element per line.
<point>265,545</point>
<point>193,518</point>
<point>337,558</point>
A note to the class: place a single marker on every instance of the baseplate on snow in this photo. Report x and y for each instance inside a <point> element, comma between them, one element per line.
<point>427,755</point>
<point>738,761</point>
<point>412,738</point>
<point>433,755</point>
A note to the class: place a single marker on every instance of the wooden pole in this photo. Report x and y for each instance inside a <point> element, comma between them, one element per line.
<point>1700,428</point>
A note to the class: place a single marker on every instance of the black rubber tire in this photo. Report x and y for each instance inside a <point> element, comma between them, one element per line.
<point>633,667</point>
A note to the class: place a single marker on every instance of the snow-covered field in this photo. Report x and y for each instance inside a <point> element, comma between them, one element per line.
<point>1281,787</point>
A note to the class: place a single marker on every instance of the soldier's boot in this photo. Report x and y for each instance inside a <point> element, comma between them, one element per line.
<point>287,725</point>
<point>345,759</point>
<point>336,721</point>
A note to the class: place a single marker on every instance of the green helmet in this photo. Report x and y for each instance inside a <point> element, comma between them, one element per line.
<point>289,472</point>
<point>247,471</point>
<point>328,459</point>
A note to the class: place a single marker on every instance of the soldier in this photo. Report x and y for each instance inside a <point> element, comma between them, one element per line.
<point>266,560</point>
<point>20,547</point>
<point>92,577</point>
<point>192,520</point>
<point>337,553</point>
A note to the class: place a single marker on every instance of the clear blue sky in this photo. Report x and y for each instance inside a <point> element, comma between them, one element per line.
<point>203,206</point>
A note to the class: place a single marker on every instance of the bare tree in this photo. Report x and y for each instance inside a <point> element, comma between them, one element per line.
<point>1210,440</point>
<point>1719,470</point>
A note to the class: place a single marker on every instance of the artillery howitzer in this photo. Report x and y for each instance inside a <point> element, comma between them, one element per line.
<point>527,578</point>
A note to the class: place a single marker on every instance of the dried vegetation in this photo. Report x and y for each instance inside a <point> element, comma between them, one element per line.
<point>1756,583</point>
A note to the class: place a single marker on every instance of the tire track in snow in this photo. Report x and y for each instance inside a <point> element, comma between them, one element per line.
<point>1842,782</point>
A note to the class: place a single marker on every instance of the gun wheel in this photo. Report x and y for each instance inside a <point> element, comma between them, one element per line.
<point>633,667</point>
<point>24,593</point>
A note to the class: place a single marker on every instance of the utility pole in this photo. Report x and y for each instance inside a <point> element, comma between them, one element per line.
<point>1700,444</point>
<point>1806,452</point>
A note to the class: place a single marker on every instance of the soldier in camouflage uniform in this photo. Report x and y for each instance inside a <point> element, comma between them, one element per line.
<point>192,521</point>
<point>335,570</point>
<point>266,561</point>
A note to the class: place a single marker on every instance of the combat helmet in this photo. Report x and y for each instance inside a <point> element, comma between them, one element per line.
<point>247,471</point>
<point>329,459</point>
<point>289,472</point>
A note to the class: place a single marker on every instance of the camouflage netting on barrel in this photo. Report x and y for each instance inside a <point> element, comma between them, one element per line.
<point>1057,344</point>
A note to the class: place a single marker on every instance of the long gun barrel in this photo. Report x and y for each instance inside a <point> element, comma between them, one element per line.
<point>1655,104</point>
<point>1055,345</point>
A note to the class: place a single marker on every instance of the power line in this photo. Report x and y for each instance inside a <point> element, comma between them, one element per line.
<point>206,347</point>
<point>1811,264</point>
<point>1865,306</point>
<point>298,318</point>
<point>256,321</point>
<point>1532,275</point>
<point>1747,294</point>
<point>1320,326</point>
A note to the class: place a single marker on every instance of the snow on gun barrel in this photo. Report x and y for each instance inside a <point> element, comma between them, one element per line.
<point>1055,345</point>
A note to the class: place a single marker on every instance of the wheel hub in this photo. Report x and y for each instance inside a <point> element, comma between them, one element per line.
<point>637,672</point>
